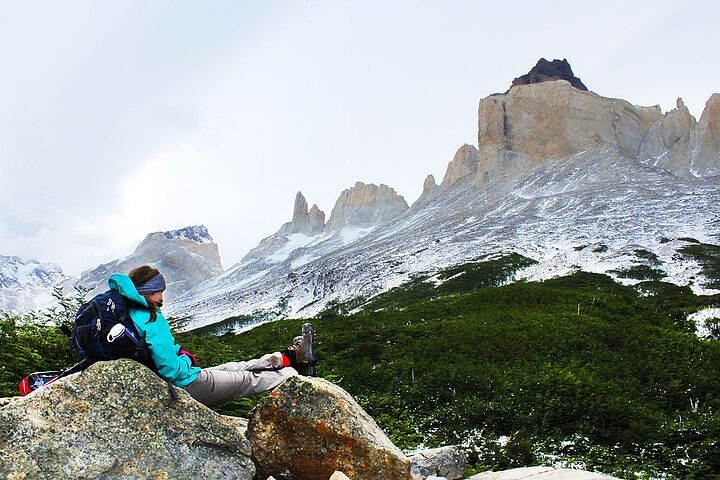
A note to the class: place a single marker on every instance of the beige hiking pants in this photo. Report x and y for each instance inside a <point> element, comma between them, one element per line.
<point>239,379</point>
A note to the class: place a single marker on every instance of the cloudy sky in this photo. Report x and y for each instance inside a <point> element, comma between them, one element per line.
<point>122,118</point>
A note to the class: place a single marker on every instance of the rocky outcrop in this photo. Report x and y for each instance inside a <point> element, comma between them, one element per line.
<point>553,120</point>
<point>446,462</point>
<point>119,420</point>
<point>309,428</point>
<point>365,205</point>
<point>541,473</point>
<point>548,114</point>
<point>309,223</point>
<point>316,220</point>
<point>430,192</point>
<point>186,257</point>
<point>665,133</point>
<point>463,164</point>
<point>299,221</point>
<point>696,153</point>
<point>545,71</point>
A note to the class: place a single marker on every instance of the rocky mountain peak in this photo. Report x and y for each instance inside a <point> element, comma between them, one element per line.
<point>316,220</point>
<point>536,122</point>
<point>308,222</point>
<point>429,183</point>
<point>300,207</point>
<point>194,233</point>
<point>464,163</point>
<point>666,132</point>
<point>364,205</point>
<point>430,192</point>
<point>545,71</point>
<point>187,257</point>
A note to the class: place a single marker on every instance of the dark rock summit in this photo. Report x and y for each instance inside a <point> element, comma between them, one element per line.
<point>545,71</point>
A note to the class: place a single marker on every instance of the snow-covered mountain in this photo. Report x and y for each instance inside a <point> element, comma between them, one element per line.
<point>186,257</point>
<point>27,284</point>
<point>561,175</point>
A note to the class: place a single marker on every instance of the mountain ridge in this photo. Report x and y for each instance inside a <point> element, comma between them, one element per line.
<point>555,177</point>
<point>186,257</point>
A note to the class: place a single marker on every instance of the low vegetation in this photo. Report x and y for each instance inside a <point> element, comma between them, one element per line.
<point>708,256</point>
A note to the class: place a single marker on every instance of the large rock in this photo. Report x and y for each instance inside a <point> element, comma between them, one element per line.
<point>553,120</point>
<point>365,205</point>
<point>119,420</point>
<point>541,473</point>
<point>447,462</point>
<point>187,257</point>
<point>309,428</point>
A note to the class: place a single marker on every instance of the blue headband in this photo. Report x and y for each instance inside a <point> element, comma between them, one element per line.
<point>155,284</point>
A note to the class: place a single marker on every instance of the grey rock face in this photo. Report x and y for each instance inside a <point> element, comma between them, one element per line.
<point>431,191</point>
<point>186,258</point>
<point>117,420</point>
<point>365,205</point>
<point>316,220</point>
<point>447,462</point>
<point>300,214</point>
<point>666,132</point>
<point>310,428</point>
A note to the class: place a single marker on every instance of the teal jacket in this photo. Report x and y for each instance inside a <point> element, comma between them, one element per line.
<point>176,369</point>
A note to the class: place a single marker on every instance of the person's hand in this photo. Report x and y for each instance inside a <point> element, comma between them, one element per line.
<point>193,359</point>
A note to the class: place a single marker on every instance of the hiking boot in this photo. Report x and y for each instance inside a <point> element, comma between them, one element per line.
<point>301,352</point>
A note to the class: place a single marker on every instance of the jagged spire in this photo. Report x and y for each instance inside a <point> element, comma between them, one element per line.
<point>309,223</point>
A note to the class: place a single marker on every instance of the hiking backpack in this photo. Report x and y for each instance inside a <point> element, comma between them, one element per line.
<point>104,331</point>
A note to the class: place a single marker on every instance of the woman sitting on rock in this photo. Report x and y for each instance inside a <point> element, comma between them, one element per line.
<point>143,289</point>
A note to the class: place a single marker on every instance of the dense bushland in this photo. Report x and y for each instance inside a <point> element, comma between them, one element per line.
<point>574,369</point>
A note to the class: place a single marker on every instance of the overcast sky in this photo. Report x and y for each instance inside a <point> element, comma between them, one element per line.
<point>122,118</point>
